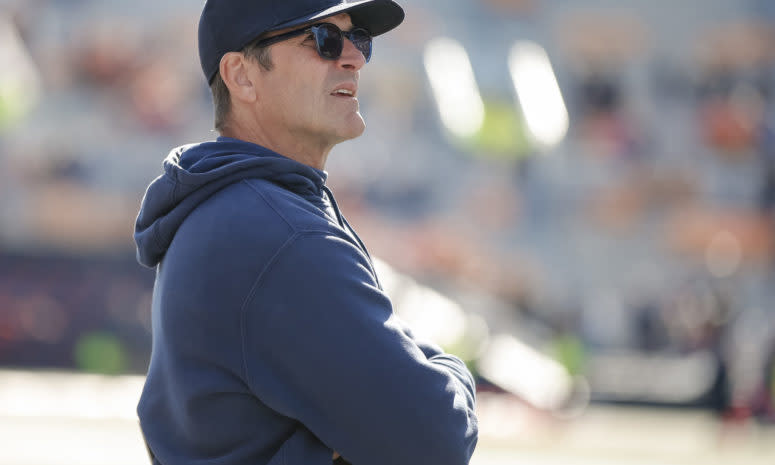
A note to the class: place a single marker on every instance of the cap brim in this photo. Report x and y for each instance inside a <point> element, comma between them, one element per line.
<point>376,16</point>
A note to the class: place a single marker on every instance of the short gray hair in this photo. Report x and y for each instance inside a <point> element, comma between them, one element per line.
<point>221,96</point>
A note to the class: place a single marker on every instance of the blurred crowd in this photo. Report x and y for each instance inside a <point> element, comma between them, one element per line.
<point>649,230</point>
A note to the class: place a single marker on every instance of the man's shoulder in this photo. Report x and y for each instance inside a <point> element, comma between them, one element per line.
<point>242,227</point>
<point>256,209</point>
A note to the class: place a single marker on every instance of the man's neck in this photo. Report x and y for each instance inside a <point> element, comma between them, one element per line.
<point>282,142</point>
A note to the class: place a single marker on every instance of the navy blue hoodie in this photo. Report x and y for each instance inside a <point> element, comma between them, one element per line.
<point>273,342</point>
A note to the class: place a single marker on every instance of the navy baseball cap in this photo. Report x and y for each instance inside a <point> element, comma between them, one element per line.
<point>229,25</point>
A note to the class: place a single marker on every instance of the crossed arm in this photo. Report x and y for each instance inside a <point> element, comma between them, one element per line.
<point>331,354</point>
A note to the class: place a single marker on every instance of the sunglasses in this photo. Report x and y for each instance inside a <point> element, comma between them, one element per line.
<point>329,40</point>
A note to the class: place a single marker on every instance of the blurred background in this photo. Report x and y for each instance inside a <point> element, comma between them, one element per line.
<point>575,196</point>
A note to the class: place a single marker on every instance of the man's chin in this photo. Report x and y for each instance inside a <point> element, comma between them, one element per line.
<point>355,127</point>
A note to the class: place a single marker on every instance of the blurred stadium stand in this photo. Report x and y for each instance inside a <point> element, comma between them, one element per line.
<point>635,246</point>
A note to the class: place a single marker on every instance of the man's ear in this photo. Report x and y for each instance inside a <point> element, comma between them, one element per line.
<point>235,72</point>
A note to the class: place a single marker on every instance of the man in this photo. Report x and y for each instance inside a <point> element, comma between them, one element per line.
<point>273,342</point>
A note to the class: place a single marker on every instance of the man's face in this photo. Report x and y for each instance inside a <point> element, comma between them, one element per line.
<point>299,94</point>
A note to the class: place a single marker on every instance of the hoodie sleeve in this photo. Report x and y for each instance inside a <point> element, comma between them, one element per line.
<point>321,345</point>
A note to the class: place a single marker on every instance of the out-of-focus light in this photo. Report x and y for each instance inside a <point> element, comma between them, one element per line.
<point>522,370</point>
<point>538,93</point>
<point>454,87</point>
<point>723,255</point>
<point>432,316</point>
<point>428,313</point>
<point>101,352</point>
<point>20,85</point>
<point>658,377</point>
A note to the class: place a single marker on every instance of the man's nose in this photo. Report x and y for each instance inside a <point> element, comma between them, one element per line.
<point>351,58</point>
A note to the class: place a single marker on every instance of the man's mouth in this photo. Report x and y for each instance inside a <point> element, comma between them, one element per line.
<point>348,90</point>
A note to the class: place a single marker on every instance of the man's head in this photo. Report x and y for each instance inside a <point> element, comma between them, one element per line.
<point>221,96</point>
<point>229,25</point>
<point>289,82</point>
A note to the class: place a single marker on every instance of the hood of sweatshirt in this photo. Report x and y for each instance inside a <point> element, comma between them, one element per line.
<point>194,172</point>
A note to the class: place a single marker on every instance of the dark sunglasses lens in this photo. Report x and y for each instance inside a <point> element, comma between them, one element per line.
<point>329,41</point>
<point>362,41</point>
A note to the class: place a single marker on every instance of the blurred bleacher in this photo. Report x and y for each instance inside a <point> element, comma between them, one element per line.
<point>644,236</point>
